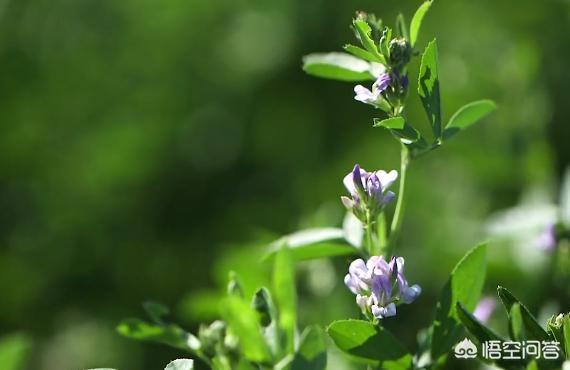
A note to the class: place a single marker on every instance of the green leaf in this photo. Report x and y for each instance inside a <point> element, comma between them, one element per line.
<point>428,87</point>
<point>401,27</point>
<point>567,335</point>
<point>476,328</point>
<point>363,54</point>
<point>14,349</point>
<point>168,334</point>
<point>484,334</point>
<point>417,21</point>
<point>468,115</point>
<point>180,364</point>
<point>464,285</point>
<point>244,322</point>
<point>533,328</point>
<point>312,352</point>
<point>401,130</point>
<point>516,326</point>
<point>367,342</point>
<point>337,66</point>
<point>364,32</point>
<point>156,311</point>
<point>313,243</point>
<point>285,295</point>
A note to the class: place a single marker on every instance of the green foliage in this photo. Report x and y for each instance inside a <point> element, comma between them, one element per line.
<point>369,343</point>
<point>312,353</point>
<point>244,323</point>
<point>364,33</point>
<point>464,286</point>
<point>14,349</point>
<point>467,116</point>
<point>417,21</point>
<point>180,364</point>
<point>361,53</point>
<point>400,129</point>
<point>286,296</point>
<point>533,328</point>
<point>313,243</point>
<point>428,87</point>
<point>169,334</point>
<point>337,66</point>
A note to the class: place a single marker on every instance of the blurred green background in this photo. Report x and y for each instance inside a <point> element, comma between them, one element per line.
<point>146,145</point>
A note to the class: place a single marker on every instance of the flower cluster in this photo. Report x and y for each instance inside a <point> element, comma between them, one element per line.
<point>380,286</point>
<point>386,93</point>
<point>368,191</point>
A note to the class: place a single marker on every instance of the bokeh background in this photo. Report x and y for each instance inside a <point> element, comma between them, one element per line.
<point>148,147</point>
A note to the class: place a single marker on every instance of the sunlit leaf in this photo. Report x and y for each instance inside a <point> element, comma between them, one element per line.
<point>285,295</point>
<point>533,329</point>
<point>364,54</point>
<point>180,364</point>
<point>467,116</point>
<point>244,322</point>
<point>314,243</point>
<point>417,21</point>
<point>403,131</point>
<point>337,66</point>
<point>14,350</point>
<point>312,352</point>
<point>401,27</point>
<point>364,32</point>
<point>168,334</point>
<point>373,344</point>
<point>464,285</point>
<point>485,334</point>
<point>428,87</point>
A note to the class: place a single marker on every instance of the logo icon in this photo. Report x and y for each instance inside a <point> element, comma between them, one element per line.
<point>465,349</point>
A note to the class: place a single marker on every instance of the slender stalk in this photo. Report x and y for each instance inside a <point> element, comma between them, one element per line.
<point>368,231</point>
<point>382,233</point>
<point>400,205</point>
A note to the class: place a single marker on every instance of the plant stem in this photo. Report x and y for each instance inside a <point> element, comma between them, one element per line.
<point>368,233</point>
<point>381,233</point>
<point>400,205</point>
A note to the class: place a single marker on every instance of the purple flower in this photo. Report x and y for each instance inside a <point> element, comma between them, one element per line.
<point>379,286</point>
<point>368,190</point>
<point>485,309</point>
<point>374,96</point>
<point>547,241</point>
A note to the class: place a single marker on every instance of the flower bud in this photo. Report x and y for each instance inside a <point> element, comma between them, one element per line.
<point>234,286</point>
<point>211,337</point>
<point>400,52</point>
<point>263,305</point>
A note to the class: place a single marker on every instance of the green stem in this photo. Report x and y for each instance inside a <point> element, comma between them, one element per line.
<point>368,233</point>
<point>400,205</point>
<point>381,233</point>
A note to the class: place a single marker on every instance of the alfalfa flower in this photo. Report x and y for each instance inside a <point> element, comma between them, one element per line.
<point>374,97</point>
<point>368,191</point>
<point>380,286</point>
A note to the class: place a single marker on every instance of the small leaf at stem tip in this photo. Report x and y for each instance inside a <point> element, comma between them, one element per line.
<point>338,66</point>
<point>363,54</point>
<point>401,27</point>
<point>364,31</point>
<point>417,21</point>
